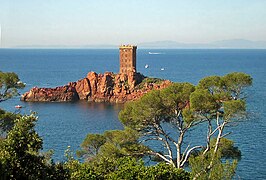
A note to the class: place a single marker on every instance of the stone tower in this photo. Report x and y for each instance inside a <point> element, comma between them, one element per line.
<point>127,58</point>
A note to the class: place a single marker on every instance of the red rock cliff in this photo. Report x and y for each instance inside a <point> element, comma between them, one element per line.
<point>107,87</point>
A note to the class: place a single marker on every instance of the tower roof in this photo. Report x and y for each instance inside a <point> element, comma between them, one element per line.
<point>127,46</point>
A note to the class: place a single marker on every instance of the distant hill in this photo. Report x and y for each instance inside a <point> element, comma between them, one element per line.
<point>169,44</point>
<point>240,43</point>
<point>225,44</point>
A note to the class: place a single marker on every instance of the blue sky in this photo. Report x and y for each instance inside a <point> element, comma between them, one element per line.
<point>85,22</point>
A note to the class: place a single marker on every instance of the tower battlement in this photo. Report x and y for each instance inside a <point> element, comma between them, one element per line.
<point>127,46</point>
<point>127,58</point>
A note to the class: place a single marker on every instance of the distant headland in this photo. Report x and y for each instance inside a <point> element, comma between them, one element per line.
<point>127,85</point>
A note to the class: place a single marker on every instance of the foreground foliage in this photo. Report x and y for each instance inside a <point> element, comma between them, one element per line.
<point>9,83</point>
<point>113,143</point>
<point>124,168</point>
<point>200,166</point>
<point>166,116</point>
<point>20,157</point>
<point>7,121</point>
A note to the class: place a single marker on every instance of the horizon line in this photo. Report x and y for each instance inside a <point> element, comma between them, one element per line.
<point>236,43</point>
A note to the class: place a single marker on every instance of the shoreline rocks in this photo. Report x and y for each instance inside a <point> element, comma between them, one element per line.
<point>107,87</point>
<point>59,94</point>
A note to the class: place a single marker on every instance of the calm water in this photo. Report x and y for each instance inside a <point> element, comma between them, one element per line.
<point>63,124</point>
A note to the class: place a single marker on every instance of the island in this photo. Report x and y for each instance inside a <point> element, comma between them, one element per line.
<point>124,86</point>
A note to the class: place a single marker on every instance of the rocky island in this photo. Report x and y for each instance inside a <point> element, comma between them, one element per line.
<point>108,87</point>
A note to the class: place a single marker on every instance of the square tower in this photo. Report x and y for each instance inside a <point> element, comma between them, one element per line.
<point>127,58</point>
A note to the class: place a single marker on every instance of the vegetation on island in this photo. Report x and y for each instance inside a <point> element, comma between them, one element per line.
<point>146,81</point>
<point>162,117</point>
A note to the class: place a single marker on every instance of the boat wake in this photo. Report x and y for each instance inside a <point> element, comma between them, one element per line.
<point>155,53</point>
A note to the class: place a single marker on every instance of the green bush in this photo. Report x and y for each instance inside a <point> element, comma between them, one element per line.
<point>147,81</point>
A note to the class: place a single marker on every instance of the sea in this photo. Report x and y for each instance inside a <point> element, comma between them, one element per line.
<point>66,124</point>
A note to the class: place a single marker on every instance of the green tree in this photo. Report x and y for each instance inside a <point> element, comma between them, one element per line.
<point>113,143</point>
<point>7,121</point>
<point>20,156</point>
<point>80,171</point>
<point>216,101</point>
<point>123,168</point>
<point>150,114</point>
<point>91,145</point>
<point>223,163</point>
<point>200,167</point>
<point>236,82</point>
<point>225,106</point>
<point>130,168</point>
<point>9,83</point>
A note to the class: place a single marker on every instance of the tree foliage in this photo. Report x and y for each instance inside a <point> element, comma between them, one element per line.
<point>9,83</point>
<point>123,168</point>
<point>114,143</point>
<point>236,82</point>
<point>227,149</point>
<point>7,121</point>
<point>20,157</point>
<point>215,165</point>
<point>216,101</point>
<point>200,167</point>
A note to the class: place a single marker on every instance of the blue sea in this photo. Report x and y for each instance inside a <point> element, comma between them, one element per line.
<point>64,124</point>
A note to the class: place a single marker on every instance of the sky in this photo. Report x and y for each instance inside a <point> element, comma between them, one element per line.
<point>93,22</point>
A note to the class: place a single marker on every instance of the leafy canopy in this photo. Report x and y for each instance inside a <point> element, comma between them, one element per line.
<point>216,101</point>
<point>123,168</point>
<point>113,143</point>
<point>20,156</point>
<point>9,83</point>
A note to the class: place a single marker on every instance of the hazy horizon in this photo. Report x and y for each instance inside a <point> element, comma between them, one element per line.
<point>69,23</point>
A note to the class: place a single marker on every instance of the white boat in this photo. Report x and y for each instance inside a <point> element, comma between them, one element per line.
<point>162,69</point>
<point>155,53</point>
<point>18,106</point>
<point>146,66</point>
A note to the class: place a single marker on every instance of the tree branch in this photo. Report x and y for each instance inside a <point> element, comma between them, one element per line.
<point>162,157</point>
<point>188,153</point>
<point>226,134</point>
<point>166,143</point>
